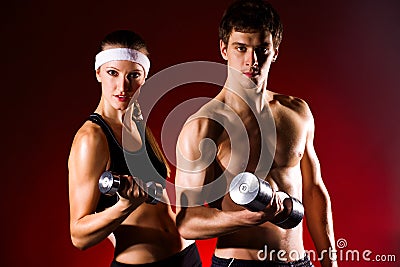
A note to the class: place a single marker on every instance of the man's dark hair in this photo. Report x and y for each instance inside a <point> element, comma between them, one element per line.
<point>251,16</point>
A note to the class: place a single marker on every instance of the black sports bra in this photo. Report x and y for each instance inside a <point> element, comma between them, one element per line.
<point>143,163</point>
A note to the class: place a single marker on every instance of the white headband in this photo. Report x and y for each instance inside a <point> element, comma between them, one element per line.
<point>123,54</point>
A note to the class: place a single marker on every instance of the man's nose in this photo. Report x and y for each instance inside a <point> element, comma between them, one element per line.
<point>252,59</point>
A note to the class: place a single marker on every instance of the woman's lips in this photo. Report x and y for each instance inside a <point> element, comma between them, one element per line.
<point>250,74</point>
<point>122,98</point>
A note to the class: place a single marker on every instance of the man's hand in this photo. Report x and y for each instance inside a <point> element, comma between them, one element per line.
<point>274,211</point>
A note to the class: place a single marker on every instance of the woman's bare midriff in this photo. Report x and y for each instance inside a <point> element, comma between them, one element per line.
<point>149,234</point>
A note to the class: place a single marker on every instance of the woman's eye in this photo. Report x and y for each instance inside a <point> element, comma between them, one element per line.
<point>112,72</point>
<point>134,75</point>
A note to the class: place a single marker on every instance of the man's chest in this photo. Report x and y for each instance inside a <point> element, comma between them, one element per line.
<point>255,147</point>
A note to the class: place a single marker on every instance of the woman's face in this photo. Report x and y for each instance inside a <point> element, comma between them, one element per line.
<point>120,81</point>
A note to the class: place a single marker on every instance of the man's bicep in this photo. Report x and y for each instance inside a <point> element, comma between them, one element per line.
<point>189,188</point>
<point>193,159</point>
<point>310,166</point>
<point>309,169</point>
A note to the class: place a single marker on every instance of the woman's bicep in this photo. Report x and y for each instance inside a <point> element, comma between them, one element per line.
<point>88,159</point>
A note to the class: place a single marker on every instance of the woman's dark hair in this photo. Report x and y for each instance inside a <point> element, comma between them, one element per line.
<point>251,16</point>
<point>124,38</point>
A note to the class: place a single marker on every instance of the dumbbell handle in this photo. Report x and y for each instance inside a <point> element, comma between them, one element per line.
<point>255,194</point>
<point>109,184</point>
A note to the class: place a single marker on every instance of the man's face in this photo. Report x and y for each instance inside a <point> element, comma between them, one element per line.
<point>251,54</point>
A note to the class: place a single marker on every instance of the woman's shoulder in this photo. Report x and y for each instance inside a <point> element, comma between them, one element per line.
<point>90,134</point>
<point>89,150</point>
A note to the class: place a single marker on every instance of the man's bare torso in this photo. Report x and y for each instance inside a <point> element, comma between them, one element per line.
<point>280,168</point>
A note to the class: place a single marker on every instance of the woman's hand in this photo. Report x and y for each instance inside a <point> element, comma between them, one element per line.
<point>132,190</point>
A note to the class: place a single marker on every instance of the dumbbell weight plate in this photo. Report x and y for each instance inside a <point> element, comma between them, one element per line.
<point>249,191</point>
<point>154,191</point>
<point>294,211</point>
<point>108,184</point>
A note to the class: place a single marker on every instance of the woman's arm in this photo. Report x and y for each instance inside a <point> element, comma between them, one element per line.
<point>88,159</point>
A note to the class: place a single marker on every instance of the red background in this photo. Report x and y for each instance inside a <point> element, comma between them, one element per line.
<point>342,57</point>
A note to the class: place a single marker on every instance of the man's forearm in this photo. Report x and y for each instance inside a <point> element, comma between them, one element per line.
<point>204,222</point>
<point>320,224</point>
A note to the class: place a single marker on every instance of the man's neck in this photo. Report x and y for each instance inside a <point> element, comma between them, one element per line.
<point>240,98</point>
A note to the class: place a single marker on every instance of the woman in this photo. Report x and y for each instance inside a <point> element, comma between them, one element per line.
<point>142,233</point>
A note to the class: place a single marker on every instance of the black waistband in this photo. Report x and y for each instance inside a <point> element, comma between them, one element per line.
<point>188,257</point>
<point>216,261</point>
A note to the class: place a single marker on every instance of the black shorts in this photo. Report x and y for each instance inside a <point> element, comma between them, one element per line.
<point>220,262</point>
<point>189,257</point>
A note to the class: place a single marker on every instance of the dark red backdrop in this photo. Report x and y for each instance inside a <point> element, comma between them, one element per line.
<point>340,56</point>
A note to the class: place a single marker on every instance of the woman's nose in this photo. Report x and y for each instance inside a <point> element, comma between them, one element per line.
<point>124,85</point>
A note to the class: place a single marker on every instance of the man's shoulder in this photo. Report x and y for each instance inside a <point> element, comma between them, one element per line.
<point>198,136</point>
<point>294,103</point>
<point>207,119</point>
<point>210,110</point>
<point>199,127</point>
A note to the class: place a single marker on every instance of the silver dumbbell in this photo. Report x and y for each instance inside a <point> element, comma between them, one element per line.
<point>255,194</point>
<point>109,184</point>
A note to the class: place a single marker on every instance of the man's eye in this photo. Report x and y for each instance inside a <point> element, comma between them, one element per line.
<point>112,72</point>
<point>263,50</point>
<point>241,48</point>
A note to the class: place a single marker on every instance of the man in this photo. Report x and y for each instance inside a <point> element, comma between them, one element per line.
<point>255,130</point>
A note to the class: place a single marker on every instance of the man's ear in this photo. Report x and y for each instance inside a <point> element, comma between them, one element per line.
<point>276,52</point>
<point>98,75</point>
<point>223,47</point>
